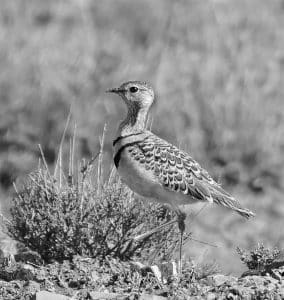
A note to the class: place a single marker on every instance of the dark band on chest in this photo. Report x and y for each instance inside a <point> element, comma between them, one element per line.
<point>118,153</point>
<point>125,136</point>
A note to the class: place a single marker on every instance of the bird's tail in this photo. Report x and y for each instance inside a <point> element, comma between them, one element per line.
<point>222,198</point>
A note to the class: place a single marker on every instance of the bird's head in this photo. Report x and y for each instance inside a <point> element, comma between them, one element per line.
<point>135,93</point>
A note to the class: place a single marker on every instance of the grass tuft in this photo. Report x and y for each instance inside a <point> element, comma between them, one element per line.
<point>63,215</point>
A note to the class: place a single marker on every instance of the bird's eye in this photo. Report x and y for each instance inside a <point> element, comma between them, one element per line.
<point>133,89</point>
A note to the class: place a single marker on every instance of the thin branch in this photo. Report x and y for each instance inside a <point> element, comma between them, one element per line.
<point>44,161</point>
<point>61,141</point>
<point>100,162</point>
<point>73,148</point>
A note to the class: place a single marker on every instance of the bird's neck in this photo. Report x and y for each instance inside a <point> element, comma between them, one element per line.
<point>135,120</point>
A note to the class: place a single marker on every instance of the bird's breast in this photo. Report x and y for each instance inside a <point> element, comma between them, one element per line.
<point>136,177</point>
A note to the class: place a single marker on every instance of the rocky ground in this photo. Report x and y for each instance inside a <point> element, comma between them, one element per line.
<point>25,277</point>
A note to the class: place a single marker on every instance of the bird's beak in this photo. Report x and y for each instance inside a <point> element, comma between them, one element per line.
<point>115,90</point>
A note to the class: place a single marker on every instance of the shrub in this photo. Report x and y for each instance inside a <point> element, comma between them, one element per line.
<point>259,258</point>
<point>62,216</point>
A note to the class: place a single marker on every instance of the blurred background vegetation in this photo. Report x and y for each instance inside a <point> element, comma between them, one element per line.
<point>217,67</point>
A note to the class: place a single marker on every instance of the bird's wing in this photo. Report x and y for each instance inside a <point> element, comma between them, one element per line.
<point>174,169</point>
<point>179,172</point>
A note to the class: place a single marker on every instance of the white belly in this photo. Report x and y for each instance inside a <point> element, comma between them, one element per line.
<point>136,177</point>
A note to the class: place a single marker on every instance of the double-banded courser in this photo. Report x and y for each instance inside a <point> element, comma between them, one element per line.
<point>156,169</point>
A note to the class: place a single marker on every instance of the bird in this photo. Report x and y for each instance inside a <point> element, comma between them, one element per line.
<point>158,170</point>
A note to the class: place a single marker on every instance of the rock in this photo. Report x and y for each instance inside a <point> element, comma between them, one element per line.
<point>151,297</point>
<point>44,295</point>
<point>105,296</point>
<point>254,280</point>
<point>162,271</point>
<point>95,276</point>
<point>219,279</point>
<point>211,296</point>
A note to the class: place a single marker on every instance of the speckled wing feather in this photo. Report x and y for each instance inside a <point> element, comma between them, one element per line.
<point>178,172</point>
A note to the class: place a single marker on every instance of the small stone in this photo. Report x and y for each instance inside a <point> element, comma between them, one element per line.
<point>95,276</point>
<point>259,281</point>
<point>232,280</point>
<point>218,279</point>
<point>271,286</point>
<point>253,280</point>
<point>211,296</point>
<point>232,296</point>
<point>104,296</point>
<point>44,295</point>
<point>151,297</point>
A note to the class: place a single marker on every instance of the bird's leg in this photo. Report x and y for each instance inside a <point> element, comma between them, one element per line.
<point>181,216</point>
<point>148,233</point>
